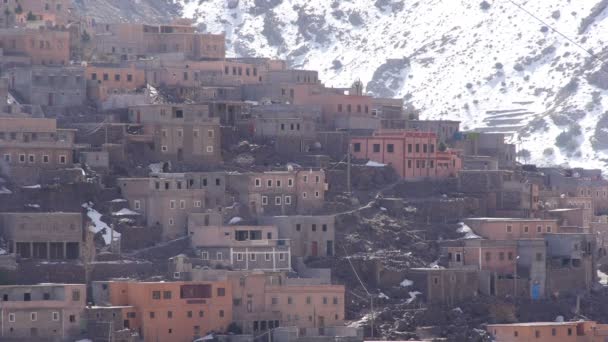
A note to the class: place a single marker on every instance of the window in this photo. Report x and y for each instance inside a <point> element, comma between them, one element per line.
<point>290,182</point>
<point>205,255</point>
<point>171,222</point>
<point>239,256</point>
<point>509,229</point>
<point>11,317</point>
<point>258,182</point>
<point>222,313</point>
<point>182,204</point>
<point>264,200</point>
<point>304,195</point>
<point>55,316</point>
<point>275,301</point>
<point>548,229</point>
<point>282,256</point>
<point>335,301</point>
<point>277,200</point>
<point>287,200</point>
<point>172,204</point>
<point>305,179</point>
<point>180,133</point>
<point>197,204</point>
<point>252,256</point>
<point>27,297</point>
<point>156,295</point>
<point>129,78</point>
<point>390,148</point>
<point>417,148</point>
<point>164,148</point>
<point>308,300</point>
<point>569,331</point>
<point>278,182</point>
<point>317,194</point>
<point>209,149</point>
<point>488,256</point>
<point>357,147</point>
<point>314,227</point>
<point>526,229</point>
<point>501,256</point>
<point>169,315</point>
<point>117,77</point>
<point>166,294</point>
<point>33,316</point>
<point>152,315</point>
<point>553,332</point>
<point>289,300</point>
<point>539,229</point>
<point>62,159</point>
<point>75,295</point>
<point>22,158</point>
<point>376,148</point>
<point>537,334</point>
<point>298,227</point>
<point>510,255</point>
<point>7,158</point>
<point>268,256</point>
<point>221,292</point>
<point>219,256</point>
<point>269,183</point>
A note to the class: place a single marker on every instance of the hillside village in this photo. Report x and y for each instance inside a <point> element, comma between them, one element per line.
<point>155,189</point>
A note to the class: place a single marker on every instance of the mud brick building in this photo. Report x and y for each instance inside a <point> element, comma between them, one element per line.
<point>127,40</point>
<point>49,236</point>
<point>169,311</point>
<point>41,46</point>
<point>167,199</point>
<point>512,228</point>
<point>241,247</point>
<point>31,145</point>
<point>179,133</point>
<point>46,311</point>
<point>309,235</point>
<point>446,286</point>
<point>105,80</point>
<point>295,191</point>
<point>571,262</point>
<point>50,86</point>
<point>505,193</point>
<point>488,144</point>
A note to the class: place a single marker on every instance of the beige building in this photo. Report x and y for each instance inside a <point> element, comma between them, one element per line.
<point>50,236</point>
<point>30,145</point>
<point>181,133</point>
<point>42,312</point>
<point>167,199</point>
<point>240,247</point>
<point>309,235</point>
<point>290,192</point>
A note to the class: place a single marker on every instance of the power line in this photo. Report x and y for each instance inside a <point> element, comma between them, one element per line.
<point>555,30</point>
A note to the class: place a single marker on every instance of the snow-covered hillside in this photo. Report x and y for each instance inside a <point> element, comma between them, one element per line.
<point>486,63</point>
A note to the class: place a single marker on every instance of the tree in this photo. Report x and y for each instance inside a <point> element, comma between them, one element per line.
<point>19,9</point>
<point>442,147</point>
<point>524,154</point>
<point>30,16</point>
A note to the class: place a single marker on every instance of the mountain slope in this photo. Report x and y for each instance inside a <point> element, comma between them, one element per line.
<point>488,64</point>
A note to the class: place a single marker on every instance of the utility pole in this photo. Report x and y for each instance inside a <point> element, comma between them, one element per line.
<point>371,299</point>
<point>348,182</point>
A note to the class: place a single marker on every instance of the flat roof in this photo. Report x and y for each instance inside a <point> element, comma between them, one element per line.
<point>536,324</point>
<point>513,219</point>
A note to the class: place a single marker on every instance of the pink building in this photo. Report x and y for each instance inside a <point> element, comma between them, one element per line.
<point>411,154</point>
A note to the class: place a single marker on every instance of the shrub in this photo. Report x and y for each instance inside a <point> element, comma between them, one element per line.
<point>484,5</point>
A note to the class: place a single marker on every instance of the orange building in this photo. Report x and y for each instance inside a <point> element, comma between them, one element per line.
<point>170,311</point>
<point>411,154</point>
<point>582,331</point>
